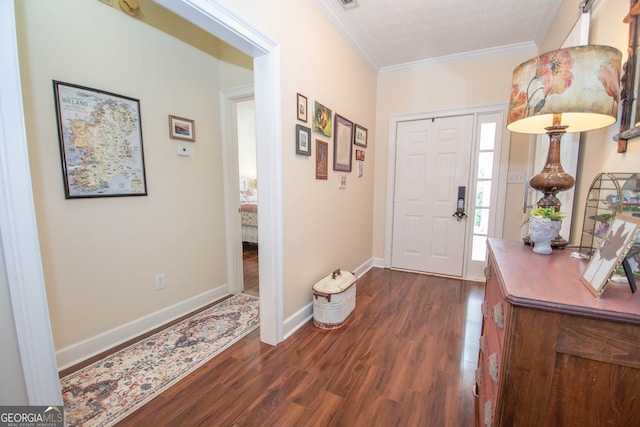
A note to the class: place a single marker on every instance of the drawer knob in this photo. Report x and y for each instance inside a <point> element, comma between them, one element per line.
<point>494,369</point>
<point>483,344</point>
<point>498,315</point>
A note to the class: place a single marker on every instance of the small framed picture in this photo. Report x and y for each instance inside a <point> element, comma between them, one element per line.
<point>302,107</point>
<point>360,155</point>
<point>360,136</point>
<point>181,128</point>
<point>342,181</point>
<point>303,140</point>
<point>359,168</point>
<point>322,159</point>
<point>619,238</point>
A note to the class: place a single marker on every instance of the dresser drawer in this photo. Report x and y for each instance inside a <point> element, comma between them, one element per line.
<point>495,308</point>
<point>488,372</point>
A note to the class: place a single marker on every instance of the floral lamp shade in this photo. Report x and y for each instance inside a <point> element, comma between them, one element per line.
<point>581,83</point>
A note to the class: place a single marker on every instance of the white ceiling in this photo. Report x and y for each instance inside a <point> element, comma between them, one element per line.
<point>391,33</point>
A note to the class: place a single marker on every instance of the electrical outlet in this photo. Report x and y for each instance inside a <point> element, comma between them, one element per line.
<point>516,178</point>
<point>159,281</point>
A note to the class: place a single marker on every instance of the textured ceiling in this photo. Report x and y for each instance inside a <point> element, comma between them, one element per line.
<point>390,33</point>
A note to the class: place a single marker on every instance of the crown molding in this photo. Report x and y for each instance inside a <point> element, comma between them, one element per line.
<point>464,56</point>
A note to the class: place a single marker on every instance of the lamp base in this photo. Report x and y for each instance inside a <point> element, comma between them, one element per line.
<point>552,179</point>
<point>557,243</point>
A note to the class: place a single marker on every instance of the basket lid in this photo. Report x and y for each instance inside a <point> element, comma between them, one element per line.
<point>335,282</point>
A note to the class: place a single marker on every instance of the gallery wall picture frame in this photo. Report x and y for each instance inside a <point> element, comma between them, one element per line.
<point>322,119</point>
<point>360,155</point>
<point>322,159</point>
<point>303,140</point>
<point>181,128</point>
<point>360,136</point>
<point>342,144</point>
<point>301,102</point>
<point>100,135</point>
<point>622,233</point>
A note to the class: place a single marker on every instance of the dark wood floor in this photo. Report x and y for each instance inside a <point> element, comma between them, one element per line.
<point>250,268</point>
<point>407,358</point>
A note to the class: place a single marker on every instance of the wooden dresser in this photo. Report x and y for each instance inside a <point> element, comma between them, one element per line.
<point>550,353</point>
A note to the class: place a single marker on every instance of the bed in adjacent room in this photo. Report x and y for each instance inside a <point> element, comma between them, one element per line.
<point>249,215</point>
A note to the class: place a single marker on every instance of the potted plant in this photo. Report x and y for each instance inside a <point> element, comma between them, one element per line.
<point>544,226</point>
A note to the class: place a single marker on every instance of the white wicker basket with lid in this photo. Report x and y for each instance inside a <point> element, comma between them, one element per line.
<point>334,299</point>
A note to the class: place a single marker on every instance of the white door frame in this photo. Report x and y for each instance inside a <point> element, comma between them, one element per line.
<point>219,21</point>
<point>18,227</point>
<point>391,170</point>
<point>19,231</point>
<point>228,99</point>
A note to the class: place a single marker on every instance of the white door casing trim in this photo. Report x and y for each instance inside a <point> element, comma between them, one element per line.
<point>228,99</point>
<point>19,231</point>
<point>503,156</point>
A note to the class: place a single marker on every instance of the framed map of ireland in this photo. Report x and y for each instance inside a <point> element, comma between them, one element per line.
<point>100,137</point>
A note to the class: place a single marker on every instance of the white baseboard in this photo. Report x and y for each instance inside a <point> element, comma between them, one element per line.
<point>297,320</point>
<point>90,347</point>
<point>378,263</point>
<point>363,268</point>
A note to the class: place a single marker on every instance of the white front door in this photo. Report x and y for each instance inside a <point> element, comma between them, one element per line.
<point>432,162</point>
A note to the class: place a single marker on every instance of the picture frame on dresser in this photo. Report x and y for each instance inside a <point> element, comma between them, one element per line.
<point>621,235</point>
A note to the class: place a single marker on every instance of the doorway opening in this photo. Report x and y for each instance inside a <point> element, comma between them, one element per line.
<point>248,180</point>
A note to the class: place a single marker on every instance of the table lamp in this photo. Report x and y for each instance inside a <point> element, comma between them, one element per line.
<point>567,90</point>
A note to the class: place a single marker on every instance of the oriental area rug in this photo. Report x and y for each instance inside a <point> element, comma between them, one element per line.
<point>107,391</point>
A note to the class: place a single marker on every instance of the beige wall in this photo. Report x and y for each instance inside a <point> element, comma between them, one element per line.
<point>324,227</point>
<point>439,86</point>
<point>101,255</point>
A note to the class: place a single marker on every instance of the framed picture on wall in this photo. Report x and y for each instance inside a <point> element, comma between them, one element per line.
<point>322,159</point>
<point>100,138</point>
<point>342,146</point>
<point>360,136</point>
<point>322,119</point>
<point>302,108</point>
<point>303,140</point>
<point>181,128</point>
